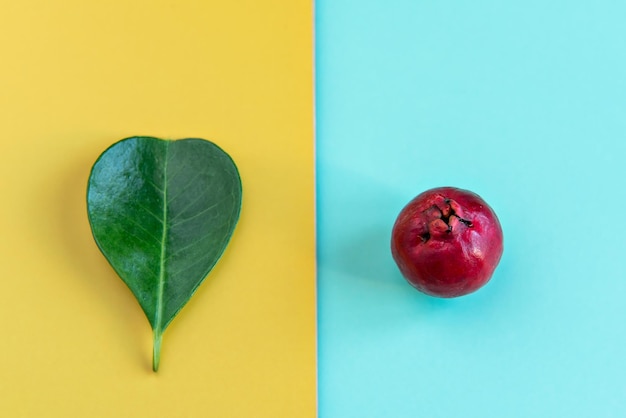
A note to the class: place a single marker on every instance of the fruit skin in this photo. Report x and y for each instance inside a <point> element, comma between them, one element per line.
<point>447,242</point>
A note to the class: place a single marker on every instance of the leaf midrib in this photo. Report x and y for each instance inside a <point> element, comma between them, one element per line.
<point>161,285</point>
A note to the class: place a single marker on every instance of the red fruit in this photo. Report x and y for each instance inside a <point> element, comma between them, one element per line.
<point>447,242</point>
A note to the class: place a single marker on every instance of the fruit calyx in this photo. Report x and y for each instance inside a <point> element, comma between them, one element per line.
<point>442,218</point>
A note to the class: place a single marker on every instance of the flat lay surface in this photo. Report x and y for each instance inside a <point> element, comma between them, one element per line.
<point>524,104</point>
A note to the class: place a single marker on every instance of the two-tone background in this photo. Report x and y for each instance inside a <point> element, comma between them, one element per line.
<point>523,102</point>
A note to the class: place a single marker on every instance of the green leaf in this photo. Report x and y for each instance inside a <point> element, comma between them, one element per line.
<point>162,213</point>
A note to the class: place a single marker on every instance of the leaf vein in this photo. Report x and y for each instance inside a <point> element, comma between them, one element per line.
<point>175,222</point>
<point>139,226</point>
<point>156,186</point>
<point>188,266</point>
<point>149,212</point>
<point>186,247</point>
<point>186,187</point>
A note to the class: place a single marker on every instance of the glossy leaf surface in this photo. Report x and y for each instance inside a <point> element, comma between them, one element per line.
<point>162,213</point>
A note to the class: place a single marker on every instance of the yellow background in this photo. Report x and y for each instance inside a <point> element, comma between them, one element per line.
<point>76,76</point>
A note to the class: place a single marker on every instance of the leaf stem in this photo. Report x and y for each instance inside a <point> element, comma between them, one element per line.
<point>156,350</point>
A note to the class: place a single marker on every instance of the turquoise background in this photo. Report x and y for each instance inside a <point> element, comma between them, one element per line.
<point>523,102</point>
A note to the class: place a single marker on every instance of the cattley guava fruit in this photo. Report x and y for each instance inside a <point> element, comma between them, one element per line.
<point>447,242</point>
